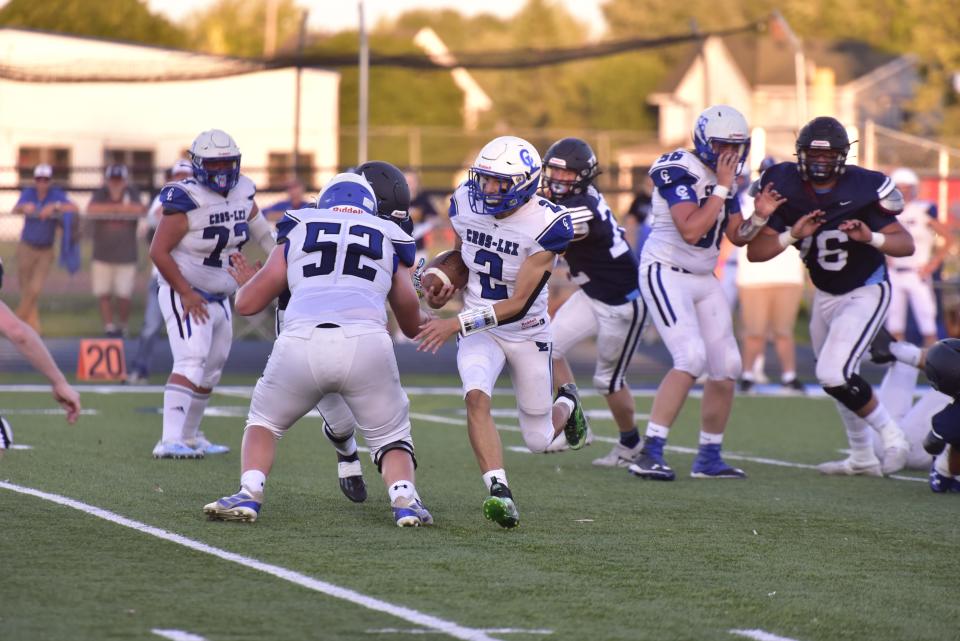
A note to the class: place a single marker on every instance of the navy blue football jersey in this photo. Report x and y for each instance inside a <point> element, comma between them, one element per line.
<point>946,423</point>
<point>601,262</point>
<point>837,264</point>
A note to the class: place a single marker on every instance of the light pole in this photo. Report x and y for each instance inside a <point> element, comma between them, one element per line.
<point>362,115</point>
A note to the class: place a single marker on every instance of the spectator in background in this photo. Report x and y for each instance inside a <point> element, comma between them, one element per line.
<point>770,294</point>
<point>115,208</point>
<point>911,276</point>
<point>296,199</point>
<point>152,316</point>
<point>636,221</point>
<point>43,207</point>
<point>423,214</point>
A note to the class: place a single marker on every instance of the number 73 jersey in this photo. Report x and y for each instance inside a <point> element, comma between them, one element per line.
<point>217,228</point>
<point>494,249</point>
<point>680,177</point>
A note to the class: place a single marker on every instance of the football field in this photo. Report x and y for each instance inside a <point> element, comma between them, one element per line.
<point>100,541</point>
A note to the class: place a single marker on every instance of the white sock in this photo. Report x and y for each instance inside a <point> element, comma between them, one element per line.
<point>659,431</point>
<point>344,447</point>
<point>252,482</point>
<point>906,352</point>
<point>858,435</point>
<point>176,404</point>
<point>747,375</point>
<point>402,489</point>
<point>500,474</point>
<point>788,377</point>
<point>896,390</point>
<point>710,439</point>
<point>198,403</point>
<point>890,433</point>
<point>566,402</point>
<point>942,463</point>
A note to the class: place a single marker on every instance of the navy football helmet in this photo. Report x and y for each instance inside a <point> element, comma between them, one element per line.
<point>574,155</point>
<point>942,366</point>
<point>822,133</point>
<point>392,192</point>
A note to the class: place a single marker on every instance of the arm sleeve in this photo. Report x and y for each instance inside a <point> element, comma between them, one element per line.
<point>675,184</point>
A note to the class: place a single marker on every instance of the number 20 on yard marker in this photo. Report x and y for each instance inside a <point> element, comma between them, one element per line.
<point>101,359</point>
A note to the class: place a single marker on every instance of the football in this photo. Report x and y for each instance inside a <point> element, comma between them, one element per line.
<point>446,267</point>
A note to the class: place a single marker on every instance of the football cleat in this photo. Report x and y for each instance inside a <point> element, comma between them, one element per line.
<point>710,465</point>
<point>795,385</point>
<point>619,456</point>
<point>411,513</point>
<point>560,444</point>
<point>575,428</point>
<point>499,506</point>
<point>745,386</point>
<point>350,475</point>
<point>941,484</point>
<point>242,506</point>
<point>202,443</point>
<point>649,463</point>
<point>175,449</point>
<point>850,467</point>
<point>880,347</point>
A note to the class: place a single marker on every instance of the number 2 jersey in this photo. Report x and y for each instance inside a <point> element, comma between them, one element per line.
<point>340,268</point>
<point>495,248</point>
<point>837,264</point>
<point>680,177</point>
<point>217,229</point>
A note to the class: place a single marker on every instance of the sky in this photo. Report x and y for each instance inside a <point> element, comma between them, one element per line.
<point>336,15</point>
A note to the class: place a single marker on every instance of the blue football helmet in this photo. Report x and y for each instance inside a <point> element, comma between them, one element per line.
<point>721,124</point>
<point>216,160</point>
<point>350,193</point>
<point>504,176</point>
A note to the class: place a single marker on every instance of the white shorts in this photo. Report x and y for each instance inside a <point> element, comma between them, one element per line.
<point>480,359</point>
<point>842,327</point>
<point>361,369</point>
<point>113,278</point>
<point>693,319</point>
<point>617,328</point>
<point>909,287</point>
<point>200,350</point>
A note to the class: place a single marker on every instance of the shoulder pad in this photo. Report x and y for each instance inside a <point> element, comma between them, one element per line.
<point>246,186</point>
<point>781,173</point>
<point>285,225</point>
<point>892,203</point>
<point>674,168</point>
<point>557,234</point>
<point>176,197</point>
<point>453,206</point>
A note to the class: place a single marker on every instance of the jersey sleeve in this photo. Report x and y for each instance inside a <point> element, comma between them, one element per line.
<point>404,246</point>
<point>557,234</point>
<point>284,226</point>
<point>175,199</point>
<point>776,175</point>
<point>932,211</point>
<point>249,189</point>
<point>675,183</point>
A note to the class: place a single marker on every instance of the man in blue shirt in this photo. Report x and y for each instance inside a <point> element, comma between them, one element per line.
<point>296,199</point>
<point>42,206</point>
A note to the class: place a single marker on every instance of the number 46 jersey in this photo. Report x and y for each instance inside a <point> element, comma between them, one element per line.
<point>680,177</point>
<point>340,268</point>
<point>217,229</point>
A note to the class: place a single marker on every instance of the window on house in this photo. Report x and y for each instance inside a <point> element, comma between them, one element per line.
<point>280,168</point>
<point>140,165</point>
<point>56,157</point>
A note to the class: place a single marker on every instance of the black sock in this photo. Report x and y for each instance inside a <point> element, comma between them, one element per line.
<point>631,438</point>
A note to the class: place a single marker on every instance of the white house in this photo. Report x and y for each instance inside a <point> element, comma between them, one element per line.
<point>52,110</point>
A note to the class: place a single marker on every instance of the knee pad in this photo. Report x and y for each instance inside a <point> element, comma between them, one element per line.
<point>691,359</point>
<point>273,429</point>
<point>730,365</point>
<point>537,431</point>
<point>191,368</point>
<point>406,445</point>
<point>853,394</point>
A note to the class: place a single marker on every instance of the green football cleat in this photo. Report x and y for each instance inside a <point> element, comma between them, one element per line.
<point>575,428</point>
<point>499,506</point>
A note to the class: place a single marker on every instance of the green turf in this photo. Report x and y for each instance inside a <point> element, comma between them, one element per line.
<point>598,554</point>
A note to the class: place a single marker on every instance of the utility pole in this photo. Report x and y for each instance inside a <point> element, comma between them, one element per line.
<point>296,101</point>
<point>362,108</point>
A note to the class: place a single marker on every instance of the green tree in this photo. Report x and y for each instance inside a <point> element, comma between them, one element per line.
<point>238,27</point>
<point>113,19</point>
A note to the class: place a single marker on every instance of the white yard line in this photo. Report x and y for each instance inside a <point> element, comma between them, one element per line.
<point>178,635</point>
<point>487,630</point>
<point>760,635</point>
<point>449,628</point>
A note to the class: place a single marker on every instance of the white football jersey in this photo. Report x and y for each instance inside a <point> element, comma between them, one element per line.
<point>916,218</point>
<point>217,229</point>
<point>678,177</point>
<point>340,269</point>
<point>494,249</point>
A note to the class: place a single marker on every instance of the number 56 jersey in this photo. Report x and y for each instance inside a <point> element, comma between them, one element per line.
<point>217,229</point>
<point>340,268</point>
<point>495,248</point>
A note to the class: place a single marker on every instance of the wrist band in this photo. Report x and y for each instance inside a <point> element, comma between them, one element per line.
<point>787,238</point>
<point>477,319</point>
<point>721,191</point>
<point>877,239</point>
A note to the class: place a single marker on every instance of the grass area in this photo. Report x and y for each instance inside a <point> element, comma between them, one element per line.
<point>598,555</point>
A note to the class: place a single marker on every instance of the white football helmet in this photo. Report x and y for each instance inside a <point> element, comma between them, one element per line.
<point>720,123</point>
<point>216,160</point>
<point>904,176</point>
<point>511,163</point>
<point>350,193</point>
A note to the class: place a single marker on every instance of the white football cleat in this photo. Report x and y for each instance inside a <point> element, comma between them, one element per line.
<point>175,449</point>
<point>850,467</point>
<point>619,456</point>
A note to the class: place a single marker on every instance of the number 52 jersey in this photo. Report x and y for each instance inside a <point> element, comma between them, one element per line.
<point>217,229</point>
<point>340,268</point>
